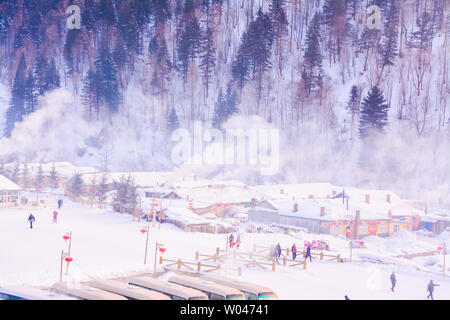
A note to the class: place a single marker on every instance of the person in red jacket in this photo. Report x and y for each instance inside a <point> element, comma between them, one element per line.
<point>294,251</point>
<point>55,216</point>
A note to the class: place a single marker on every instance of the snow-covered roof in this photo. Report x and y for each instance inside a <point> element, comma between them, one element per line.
<point>8,185</point>
<point>185,215</point>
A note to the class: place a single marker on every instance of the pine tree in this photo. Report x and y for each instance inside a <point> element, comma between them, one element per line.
<point>53,178</point>
<point>208,59</point>
<point>125,199</point>
<point>173,123</point>
<point>103,188</point>
<point>107,83</point>
<point>16,109</point>
<point>335,17</point>
<point>38,181</point>
<point>15,172</point>
<point>374,113</point>
<point>76,189</point>
<point>312,68</point>
<point>230,101</point>
<point>30,95</point>
<point>389,50</point>
<point>423,37</point>
<point>25,176</point>
<point>219,111</point>
<point>354,105</point>
<point>188,46</point>
<point>241,64</point>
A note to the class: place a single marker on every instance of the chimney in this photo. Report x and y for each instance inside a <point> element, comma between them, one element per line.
<point>282,191</point>
<point>357,220</point>
<point>388,198</point>
<point>253,202</point>
<point>322,211</point>
<point>295,209</point>
<point>311,196</point>
<point>390,214</point>
<point>368,198</point>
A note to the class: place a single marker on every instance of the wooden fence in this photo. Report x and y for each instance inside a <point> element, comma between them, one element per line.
<point>196,267</point>
<point>285,253</point>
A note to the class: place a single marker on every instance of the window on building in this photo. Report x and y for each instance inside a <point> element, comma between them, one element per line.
<point>396,228</point>
<point>382,228</point>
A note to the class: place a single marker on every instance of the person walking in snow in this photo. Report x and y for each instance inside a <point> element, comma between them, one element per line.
<point>294,251</point>
<point>60,203</point>
<point>393,281</point>
<point>430,289</point>
<point>31,219</point>
<point>278,248</point>
<point>275,254</point>
<point>55,216</point>
<point>238,241</point>
<point>308,253</point>
<point>231,240</point>
<point>347,298</point>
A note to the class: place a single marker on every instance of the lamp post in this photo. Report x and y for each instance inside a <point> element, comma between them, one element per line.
<point>162,249</point>
<point>66,255</point>
<point>146,231</point>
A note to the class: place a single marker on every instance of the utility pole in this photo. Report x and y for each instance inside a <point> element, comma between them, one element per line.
<point>157,245</point>
<point>146,245</point>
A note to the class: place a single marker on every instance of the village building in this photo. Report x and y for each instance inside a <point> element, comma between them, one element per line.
<point>353,213</point>
<point>9,193</point>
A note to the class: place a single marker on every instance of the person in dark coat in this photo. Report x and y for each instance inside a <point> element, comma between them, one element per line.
<point>308,253</point>
<point>278,250</point>
<point>393,281</point>
<point>347,298</point>
<point>231,239</point>
<point>31,219</point>
<point>60,203</point>
<point>294,251</point>
<point>430,289</point>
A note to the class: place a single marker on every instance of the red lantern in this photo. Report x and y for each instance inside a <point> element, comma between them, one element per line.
<point>156,204</point>
<point>69,259</point>
<point>319,222</point>
<point>162,250</point>
<point>66,237</point>
<point>143,231</point>
<point>233,243</point>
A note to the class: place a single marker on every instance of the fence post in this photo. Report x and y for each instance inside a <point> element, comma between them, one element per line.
<point>284,261</point>
<point>338,258</point>
<point>218,267</point>
<point>199,266</point>
<point>287,252</point>
<point>196,255</point>
<point>160,260</point>
<point>273,266</point>
<point>218,251</point>
<point>304,265</point>
<point>321,256</point>
<point>250,255</point>
<point>179,264</point>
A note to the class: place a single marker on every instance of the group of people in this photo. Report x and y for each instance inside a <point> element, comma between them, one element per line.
<point>276,253</point>
<point>32,218</point>
<point>430,287</point>
<point>232,242</point>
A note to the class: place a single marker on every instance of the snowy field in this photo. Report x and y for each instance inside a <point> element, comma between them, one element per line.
<point>107,245</point>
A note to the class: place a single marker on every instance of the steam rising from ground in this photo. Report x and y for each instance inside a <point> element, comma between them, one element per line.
<point>414,167</point>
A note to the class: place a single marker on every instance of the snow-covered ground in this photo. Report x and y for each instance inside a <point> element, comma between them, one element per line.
<point>107,245</point>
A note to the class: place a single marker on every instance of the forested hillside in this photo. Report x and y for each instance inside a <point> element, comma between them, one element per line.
<point>355,105</point>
